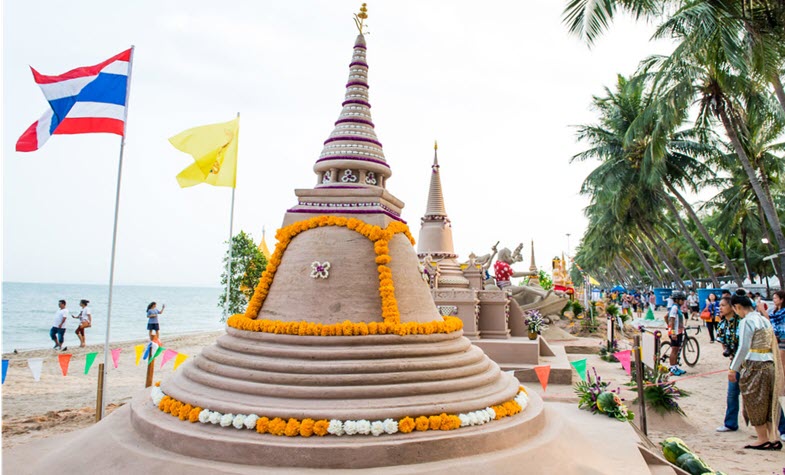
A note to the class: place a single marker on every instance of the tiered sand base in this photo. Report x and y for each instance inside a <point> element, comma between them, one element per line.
<point>371,377</point>
<point>557,439</point>
<point>248,447</point>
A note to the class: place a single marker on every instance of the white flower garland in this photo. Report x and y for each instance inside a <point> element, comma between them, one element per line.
<point>339,428</point>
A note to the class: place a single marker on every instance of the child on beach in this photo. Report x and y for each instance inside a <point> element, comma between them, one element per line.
<point>85,321</point>
<point>152,322</point>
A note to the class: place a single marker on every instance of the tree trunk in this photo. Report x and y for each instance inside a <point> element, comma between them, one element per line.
<point>778,91</point>
<point>617,276</point>
<point>744,253</point>
<point>702,229</point>
<point>649,262</point>
<point>675,277</point>
<point>625,272</point>
<point>650,259</point>
<point>769,246</point>
<point>691,240</point>
<point>637,275</point>
<point>667,280</point>
<point>674,257</point>
<point>655,276</point>
<point>764,181</point>
<point>766,204</point>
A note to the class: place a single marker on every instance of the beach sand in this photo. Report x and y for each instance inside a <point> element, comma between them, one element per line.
<point>704,409</point>
<point>57,404</point>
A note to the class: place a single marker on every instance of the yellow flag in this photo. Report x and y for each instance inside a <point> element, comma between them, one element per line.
<point>139,350</point>
<point>178,360</point>
<point>214,148</point>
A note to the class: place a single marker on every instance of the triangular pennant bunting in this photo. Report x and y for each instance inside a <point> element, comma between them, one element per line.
<point>624,359</point>
<point>64,360</point>
<point>139,350</point>
<point>178,360</point>
<point>89,358</point>
<point>116,357</point>
<point>168,355</point>
<point>543,373</point>
<point>5,369</point>
<point>580,367</point>
<point>158,351</point>
<point>36,364</point>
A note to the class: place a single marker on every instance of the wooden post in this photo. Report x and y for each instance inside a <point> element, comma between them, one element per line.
<point>150,369</point>
<point>99,397</point>
<point>657,342</point>
<point>636,349</point>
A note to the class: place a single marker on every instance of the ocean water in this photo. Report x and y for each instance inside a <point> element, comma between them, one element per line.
<point>29,309</point>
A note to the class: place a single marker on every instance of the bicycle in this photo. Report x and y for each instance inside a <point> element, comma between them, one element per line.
<point>689,348</point>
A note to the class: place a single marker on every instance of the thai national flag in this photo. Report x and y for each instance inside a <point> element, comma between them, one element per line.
<point>83,100</point>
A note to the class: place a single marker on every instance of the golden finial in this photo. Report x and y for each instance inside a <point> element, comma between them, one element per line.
<point>359,18</point>
<point>435,145</point>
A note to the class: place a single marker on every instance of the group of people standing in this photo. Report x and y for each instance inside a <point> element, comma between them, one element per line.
<point>753,337</point>
<point>85,316</point>
<point>633,302</point>
<point>57,332</point>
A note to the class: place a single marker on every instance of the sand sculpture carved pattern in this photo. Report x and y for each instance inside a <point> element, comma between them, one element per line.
<point>320,269</point>
<point>348,177</point>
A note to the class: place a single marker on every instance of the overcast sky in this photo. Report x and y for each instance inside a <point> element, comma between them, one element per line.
<point>500,85</point>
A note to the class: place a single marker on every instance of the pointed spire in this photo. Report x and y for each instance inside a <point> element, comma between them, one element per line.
<point>352,155</point>
<point>435,206</point>
<point>533,266</point>
<point>263,246</point>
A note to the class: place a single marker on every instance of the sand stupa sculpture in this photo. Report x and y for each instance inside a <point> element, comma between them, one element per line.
<point>340,362</point>
<point>341,336</point>
<point>435,238</point>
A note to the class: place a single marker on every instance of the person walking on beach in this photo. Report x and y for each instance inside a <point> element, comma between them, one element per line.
<point>692,303</point>
<point>676,330</point>
<point>761,379</point>
<point>152,321</point>
<point>57,333</point>
<point>728,336</point>
<point>712,316</point>
<point>777,318</point>
<point>85,321</point>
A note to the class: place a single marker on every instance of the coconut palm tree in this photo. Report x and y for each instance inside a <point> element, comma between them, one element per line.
<point>724,96</point>
<point>735,204</point>
<point>724,48</point>
<point>752,33</point>
<point>634,141</point>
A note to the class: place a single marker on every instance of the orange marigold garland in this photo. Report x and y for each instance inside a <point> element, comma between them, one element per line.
<point>406,425</point>
<point>380,238</point>
<point>320,427</point>
<point>293,427</point>
<point>449,324</point>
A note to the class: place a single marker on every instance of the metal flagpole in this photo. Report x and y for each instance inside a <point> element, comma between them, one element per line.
<point>231,224</point>
<point>114,234</point>
<point>229,261</point>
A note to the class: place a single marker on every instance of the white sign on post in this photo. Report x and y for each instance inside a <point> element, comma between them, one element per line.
<point>647,349</point>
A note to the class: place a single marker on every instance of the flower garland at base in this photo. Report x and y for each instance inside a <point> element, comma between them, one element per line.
<point>380,238</point>
<point>322,427</point>
<point>347,328</point>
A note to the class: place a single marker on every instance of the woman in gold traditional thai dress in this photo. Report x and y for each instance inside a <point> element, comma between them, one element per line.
<point>757,359</point>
